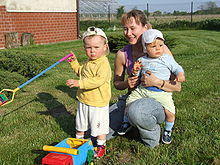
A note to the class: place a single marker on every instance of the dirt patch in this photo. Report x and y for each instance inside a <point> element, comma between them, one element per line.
<point>124,157</point>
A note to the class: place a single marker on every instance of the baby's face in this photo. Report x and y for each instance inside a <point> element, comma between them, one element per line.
<point>155,49</point>
<point>95,47</point>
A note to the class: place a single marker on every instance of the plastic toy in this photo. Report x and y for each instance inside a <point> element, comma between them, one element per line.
<point>57,159</point>
<point>61,149</point>
<point>3,98</point>
<point>80,150</point>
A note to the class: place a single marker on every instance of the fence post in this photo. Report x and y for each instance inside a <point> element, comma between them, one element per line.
<point>147,12</point>
<point>109,15</point>
<point>191,12</point>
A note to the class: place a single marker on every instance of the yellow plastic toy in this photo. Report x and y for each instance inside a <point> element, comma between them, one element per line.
<point>61,149</point>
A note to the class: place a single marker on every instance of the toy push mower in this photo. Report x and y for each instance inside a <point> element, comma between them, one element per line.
<point>6,100</point>
<point>70,151</point>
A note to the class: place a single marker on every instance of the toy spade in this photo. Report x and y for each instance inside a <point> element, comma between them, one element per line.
<point>6,100</point>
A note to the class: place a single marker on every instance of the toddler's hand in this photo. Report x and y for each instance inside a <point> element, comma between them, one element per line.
<point>71,58</point>
<point>72,83</point>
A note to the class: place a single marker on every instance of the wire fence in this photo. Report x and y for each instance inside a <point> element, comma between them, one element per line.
<point>107,10</point>
<point>98,9</point>
<point>170,7</point>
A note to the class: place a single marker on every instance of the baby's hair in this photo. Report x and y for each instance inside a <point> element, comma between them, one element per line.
<point>103,38</point>
<point>138,15</point>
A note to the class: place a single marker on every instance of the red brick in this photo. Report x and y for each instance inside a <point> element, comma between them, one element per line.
<point>46,27</point>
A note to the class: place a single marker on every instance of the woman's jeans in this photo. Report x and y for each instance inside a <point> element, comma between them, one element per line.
<point>145,114</point>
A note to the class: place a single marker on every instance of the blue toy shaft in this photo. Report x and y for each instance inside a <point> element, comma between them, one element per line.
<point>40,74</point>
<point>45,70</point>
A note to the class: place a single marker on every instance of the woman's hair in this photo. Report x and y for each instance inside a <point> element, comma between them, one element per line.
<point>138,16</point>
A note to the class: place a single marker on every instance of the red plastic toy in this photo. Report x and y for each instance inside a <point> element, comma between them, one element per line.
<point>57,159</point>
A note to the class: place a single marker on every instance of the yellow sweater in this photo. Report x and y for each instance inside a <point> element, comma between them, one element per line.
<point>94,81</point>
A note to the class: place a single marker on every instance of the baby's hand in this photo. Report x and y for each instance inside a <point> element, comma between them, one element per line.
<point>71,58</point>
<point>180,77</point>
<point>137,66</point>
<point>72,83</point>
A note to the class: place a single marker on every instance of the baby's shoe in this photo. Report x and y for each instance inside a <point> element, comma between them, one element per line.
<point>167,138</point>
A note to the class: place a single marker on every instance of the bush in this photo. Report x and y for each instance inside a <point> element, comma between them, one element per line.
<point>212,24</point>
<point>116,42</point>
<point>28,65</point>
<point>11,80</point>
<point>170,41</point>
<point>105,25</point>
<point>177,25</point>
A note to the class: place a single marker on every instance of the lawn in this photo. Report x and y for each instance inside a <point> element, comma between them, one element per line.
<point>43,112</point>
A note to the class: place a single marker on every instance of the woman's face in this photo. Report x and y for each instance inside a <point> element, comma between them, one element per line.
<point>133,31</point>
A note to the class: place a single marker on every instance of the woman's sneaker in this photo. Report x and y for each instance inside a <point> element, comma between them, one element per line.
<point>167,138</point>
<point>125,127</point>
<point>100,151</point>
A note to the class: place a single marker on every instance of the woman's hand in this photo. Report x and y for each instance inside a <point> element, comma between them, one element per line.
<point>168,85</point>
<point>133,81</point>
<point>150,80</point>
<point>72,83</point>
<point>180,77</point>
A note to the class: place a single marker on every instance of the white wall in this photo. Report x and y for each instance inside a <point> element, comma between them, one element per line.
<point>2,2</point>
<point>40,5</point>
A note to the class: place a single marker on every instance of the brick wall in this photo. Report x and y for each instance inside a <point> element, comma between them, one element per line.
<point>47,27</point>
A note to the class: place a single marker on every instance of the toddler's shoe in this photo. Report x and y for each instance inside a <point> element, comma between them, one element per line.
<point>125,127</point>
<point>167,138</point>
<point>100,152</point>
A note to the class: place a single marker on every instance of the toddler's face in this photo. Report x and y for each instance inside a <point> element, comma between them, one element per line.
<point>95,47</point>
<point>155,49</point>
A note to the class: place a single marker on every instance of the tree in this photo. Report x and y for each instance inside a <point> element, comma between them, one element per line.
<point>120,11</point>
<point>157,13</point>
<point>179,13</point>
<point>208,6</point>
<point>146,12</point>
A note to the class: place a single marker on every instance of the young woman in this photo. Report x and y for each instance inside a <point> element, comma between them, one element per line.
<point>134,24</point>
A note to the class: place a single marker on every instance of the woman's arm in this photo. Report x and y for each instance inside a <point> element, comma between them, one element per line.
<point>167,50</point>
<point>119,73</point>
<point>167,85</point>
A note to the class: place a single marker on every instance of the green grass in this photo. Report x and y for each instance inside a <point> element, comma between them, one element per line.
<point>43,112</point>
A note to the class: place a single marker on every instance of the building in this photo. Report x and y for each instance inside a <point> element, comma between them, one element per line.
<point>40,21</point>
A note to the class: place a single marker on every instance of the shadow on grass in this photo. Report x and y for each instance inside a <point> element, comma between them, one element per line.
<point>133,134</point>
<point>70,91</point>
<point>41,154</point>
<point>58,111</point>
